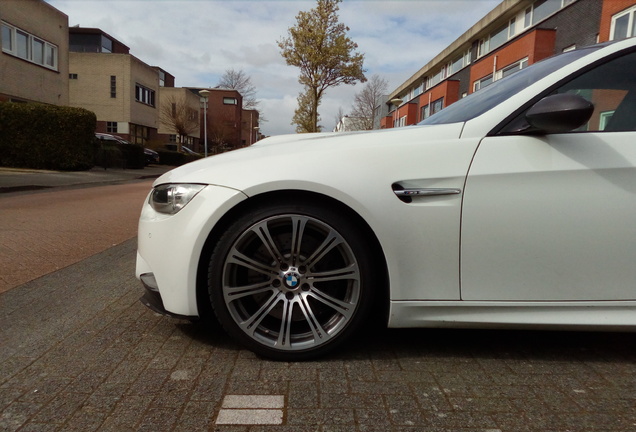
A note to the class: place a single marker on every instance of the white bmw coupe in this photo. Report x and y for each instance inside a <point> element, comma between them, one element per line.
<point>513,207</point>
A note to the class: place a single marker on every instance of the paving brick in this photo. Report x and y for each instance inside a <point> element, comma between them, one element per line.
<point>79,352</point>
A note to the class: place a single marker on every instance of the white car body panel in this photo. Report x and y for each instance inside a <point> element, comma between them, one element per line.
<point>556,203</point>
<point>186,232</point>
<point>507,185</point>
<point>401,228</point>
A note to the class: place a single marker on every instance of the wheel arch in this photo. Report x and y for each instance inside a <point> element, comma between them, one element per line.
<point>380,310</point>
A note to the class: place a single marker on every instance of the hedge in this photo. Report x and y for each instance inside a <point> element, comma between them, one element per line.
<point>173,158</point>
<point>47,137</point>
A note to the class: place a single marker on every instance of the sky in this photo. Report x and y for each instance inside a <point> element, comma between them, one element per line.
<point>197,41</point>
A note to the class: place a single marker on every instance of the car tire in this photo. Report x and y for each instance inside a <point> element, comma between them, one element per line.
<point>291,281</point>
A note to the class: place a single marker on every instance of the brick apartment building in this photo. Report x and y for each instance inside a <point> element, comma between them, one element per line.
<point>515,34</point>
<point>34,56</point>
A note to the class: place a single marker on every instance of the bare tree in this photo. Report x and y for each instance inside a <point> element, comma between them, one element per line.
<point>241,82</point>
<point>365,102</point>
<point>176,115</point>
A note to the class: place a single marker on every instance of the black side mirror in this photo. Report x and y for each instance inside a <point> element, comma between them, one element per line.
<point>559,113</point>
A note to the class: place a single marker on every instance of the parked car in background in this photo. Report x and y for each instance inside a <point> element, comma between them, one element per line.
<point>108,138</point>
<point>151,156</point>
<point>189,151</point>
<point>513,207</point>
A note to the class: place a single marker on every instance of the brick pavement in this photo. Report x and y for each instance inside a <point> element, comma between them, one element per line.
<point>46,231</point>
<point>78,352</point>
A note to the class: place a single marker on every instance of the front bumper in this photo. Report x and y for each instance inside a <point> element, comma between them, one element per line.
<point>152,299</point>
<point>169,249</point>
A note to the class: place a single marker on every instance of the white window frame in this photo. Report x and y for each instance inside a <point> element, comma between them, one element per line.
<point>523,63</point>
<point>528,14</point>
<point>477,85</point>
<point>145,95</point>
<point>631,25</point>
<point>604,119</point>
<point>32,41</point>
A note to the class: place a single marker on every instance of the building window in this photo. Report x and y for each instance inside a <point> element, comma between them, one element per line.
<point>139,134</point>
<point>542,9</point>
<point>624,24</point>
<point>72,76</point>
<point>497,38</point>
<point>162,78</point>
<point>437,105</point>
<point>144,95</point>
<point>401,122</point>
<point>424,112</point>
<point>7,38</point>
<point>111,127</point>
<point>107,45</point>
<point>484,82</point>
<point>510,69</point>
<point>113,86</point>
<point>230,101</point>
<point>28,47</point>
<point>22,45</point>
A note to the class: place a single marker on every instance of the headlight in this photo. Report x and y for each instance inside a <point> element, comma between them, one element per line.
<point>170,198</point>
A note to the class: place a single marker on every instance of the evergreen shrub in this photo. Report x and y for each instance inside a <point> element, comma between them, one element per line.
<point>47,137</point>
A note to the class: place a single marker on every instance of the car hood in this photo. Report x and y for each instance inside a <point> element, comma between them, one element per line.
<point>310,157</point>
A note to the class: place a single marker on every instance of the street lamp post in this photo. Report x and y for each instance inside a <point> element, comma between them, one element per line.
<point>204,101</point>
<point>396,102</point>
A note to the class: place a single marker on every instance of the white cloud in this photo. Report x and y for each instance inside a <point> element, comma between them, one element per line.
<point>198,40</point>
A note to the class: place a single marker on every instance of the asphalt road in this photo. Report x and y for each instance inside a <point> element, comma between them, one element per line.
<point>79,352</point>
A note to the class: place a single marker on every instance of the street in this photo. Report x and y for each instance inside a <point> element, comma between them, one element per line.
<point>46,231</point>
<point>79,352</point>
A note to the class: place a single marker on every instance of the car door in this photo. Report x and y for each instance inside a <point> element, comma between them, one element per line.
<point>553,217</point>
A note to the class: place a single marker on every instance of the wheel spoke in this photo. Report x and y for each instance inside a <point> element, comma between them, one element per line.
<point>332,240</point>
<point>235,293</point>
<point>298,229</point>
<point>348,273</point>
<point>344,308</point>
<point>250,325</point>
<point>238,258</point>
<point>317,330</point>
<point>262,231</point>
<point>284,334</point>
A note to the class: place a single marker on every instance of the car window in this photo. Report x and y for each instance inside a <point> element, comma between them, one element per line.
<point>483,100</point>
<point>611,88</point>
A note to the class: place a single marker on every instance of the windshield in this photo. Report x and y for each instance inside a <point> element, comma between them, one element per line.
<point>481,101</point>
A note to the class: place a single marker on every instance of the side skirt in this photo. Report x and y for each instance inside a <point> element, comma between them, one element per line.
<point>582,315</point>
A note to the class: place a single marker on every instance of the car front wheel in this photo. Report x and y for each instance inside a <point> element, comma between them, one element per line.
<point>291,282</point>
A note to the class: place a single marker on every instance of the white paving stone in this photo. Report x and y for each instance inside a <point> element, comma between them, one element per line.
<point>250,417</point>
<point>253,401</point>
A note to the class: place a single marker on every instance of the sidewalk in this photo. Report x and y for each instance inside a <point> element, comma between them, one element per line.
<point>18,180</point>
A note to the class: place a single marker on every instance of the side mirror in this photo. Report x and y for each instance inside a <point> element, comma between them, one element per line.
<point>559,113</point>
